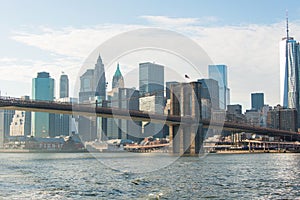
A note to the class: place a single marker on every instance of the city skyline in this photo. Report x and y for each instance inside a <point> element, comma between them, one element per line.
<point>54,46</point>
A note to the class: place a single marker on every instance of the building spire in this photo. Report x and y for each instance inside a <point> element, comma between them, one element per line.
<point>287,24</point>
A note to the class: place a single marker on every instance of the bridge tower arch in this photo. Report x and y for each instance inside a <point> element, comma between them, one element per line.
<point>186,138</point>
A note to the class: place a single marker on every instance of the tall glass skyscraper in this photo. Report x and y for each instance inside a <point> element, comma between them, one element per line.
<point>42,90</point>
<point>219,73</point>
<point>289,72</point>
<point>64,86</point>
<point>257,101</point>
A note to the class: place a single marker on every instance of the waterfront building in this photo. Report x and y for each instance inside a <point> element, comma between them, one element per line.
<point>64,124</point>
<point>253,117</point>
<point>5,121</point>
<point>63,86</point>
<point>219,73</point>
<point>63,121</point>
<point>282,118</point>
<point>20,125</point>
<point>234,114</point>
<point>42,90</point>
<point>21,122</point>
<point>257,101</point>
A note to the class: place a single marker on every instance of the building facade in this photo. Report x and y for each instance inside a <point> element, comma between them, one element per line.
<point>219,73</point>
<point>151,79</point>
<point>5,121</point>
<point>63,86</point>
<point>289,73</point>
<point>42,90</point>
<point>100,79</point>
<point>210,91</point>
<point>282,118</point>
<point>21,122</point>
<point>257,101</point>
<point>153,105</point>
<point>86,86</point>
<point>118,79</point>
<point>92,90</point>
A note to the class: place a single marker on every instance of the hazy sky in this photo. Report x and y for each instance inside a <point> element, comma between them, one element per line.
<point>58,36</point>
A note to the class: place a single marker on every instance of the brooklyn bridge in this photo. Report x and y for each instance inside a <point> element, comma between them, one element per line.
<point>186,131</point>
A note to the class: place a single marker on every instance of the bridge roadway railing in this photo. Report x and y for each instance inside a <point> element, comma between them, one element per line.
<point>250,128</point>
<point>11,103</point>
<point>89,110</point>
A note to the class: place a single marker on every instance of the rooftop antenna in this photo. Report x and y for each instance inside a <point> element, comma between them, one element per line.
<point>287,24</point>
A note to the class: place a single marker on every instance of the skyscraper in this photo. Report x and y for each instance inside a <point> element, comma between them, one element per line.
<point>63,86</point>
<point>151,79</point>
<point>118,80</point>
<point>210,91</point>
<point>257,101</point>
<point>86,86</point>
<point>5,120</point>
<point>112,131</point>
<point>21,122</point>
<point>42,90</point>
<point>151,84</point>
<point>99,79</point>
<point>289,72</point>
<point>92,89</point>
<point>219,73</point>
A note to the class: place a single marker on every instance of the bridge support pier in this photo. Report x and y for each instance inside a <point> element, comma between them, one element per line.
<point>186,139</point>
<point>186,101</point>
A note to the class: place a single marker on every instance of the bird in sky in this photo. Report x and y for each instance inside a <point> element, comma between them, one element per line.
<point>186,76</point>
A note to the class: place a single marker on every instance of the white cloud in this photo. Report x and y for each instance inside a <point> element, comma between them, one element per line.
<point>69,41</point>
<point>176,22</point>
<point>250,51</point>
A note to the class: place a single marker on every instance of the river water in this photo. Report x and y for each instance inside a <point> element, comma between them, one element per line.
<point>82,176</point>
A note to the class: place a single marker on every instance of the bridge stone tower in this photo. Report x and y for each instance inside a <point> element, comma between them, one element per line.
<point>186,138</point>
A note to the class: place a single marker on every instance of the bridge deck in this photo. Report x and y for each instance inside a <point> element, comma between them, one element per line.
<point>135,115</point>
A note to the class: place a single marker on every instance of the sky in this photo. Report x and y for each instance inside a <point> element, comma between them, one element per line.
<point>57,36</point>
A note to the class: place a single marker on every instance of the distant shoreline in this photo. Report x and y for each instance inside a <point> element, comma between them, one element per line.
<point>40,151</point>
<point>253,151</point>
<point>86,151</point>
